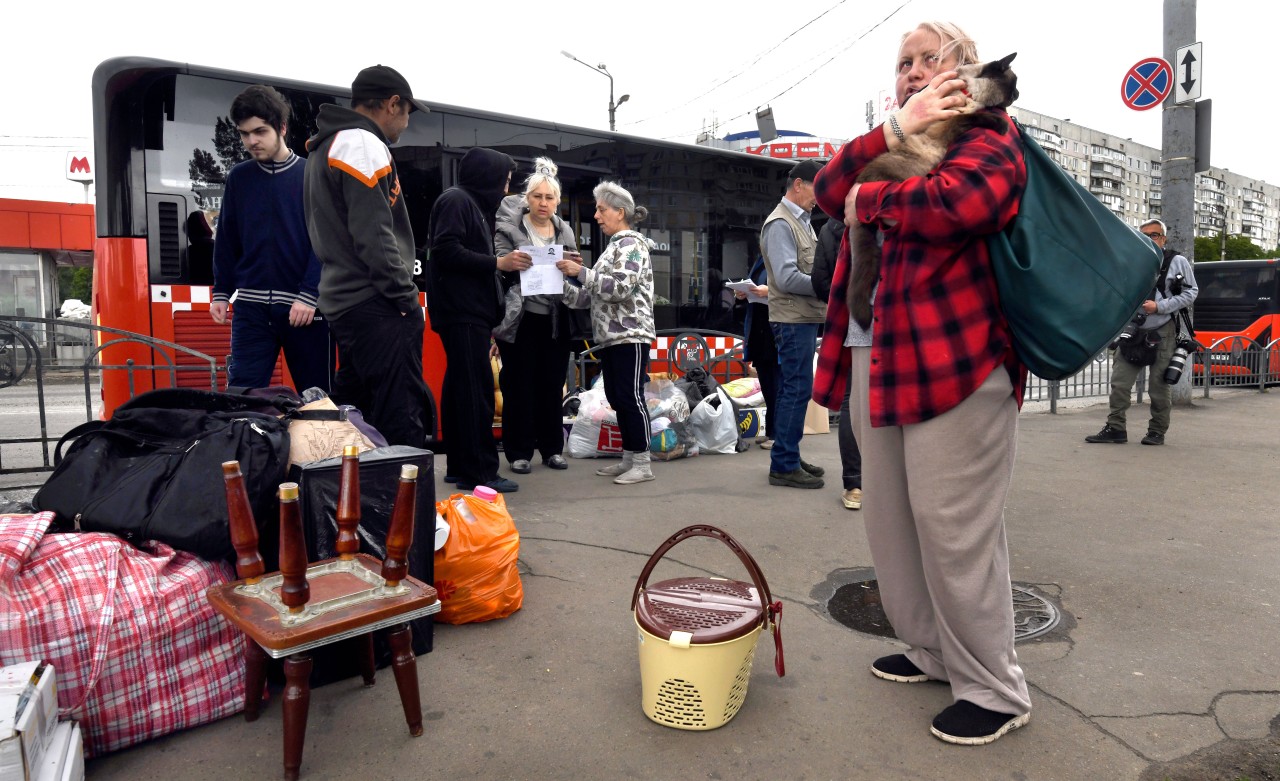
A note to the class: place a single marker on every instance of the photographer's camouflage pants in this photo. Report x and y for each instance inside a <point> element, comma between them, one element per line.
<point>1124,374</point>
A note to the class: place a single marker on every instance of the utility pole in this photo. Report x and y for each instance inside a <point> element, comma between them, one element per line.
<point>1178,165</point>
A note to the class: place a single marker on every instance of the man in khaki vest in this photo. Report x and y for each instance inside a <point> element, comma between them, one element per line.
<point>787,242</point>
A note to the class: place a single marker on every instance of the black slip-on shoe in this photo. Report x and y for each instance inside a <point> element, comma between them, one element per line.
<point>556,461</point>
<point>966,724</point>
<point>897,668</point>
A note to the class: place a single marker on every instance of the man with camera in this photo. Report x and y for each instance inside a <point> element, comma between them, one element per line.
<point>1153,338</point>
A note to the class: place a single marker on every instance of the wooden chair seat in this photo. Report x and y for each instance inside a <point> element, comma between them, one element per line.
<point>348,599</point>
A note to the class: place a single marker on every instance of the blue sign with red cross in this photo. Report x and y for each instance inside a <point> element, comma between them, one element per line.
<point>1147,84</point>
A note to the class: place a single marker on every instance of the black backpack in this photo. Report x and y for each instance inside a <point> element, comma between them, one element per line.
<point>154,470</point>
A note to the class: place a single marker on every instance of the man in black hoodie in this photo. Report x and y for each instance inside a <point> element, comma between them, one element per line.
<point>464,297</point>
<point>359,228</point>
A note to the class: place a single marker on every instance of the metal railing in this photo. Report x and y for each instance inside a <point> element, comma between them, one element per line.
<point>38,354</point>
<point>1235,362</point>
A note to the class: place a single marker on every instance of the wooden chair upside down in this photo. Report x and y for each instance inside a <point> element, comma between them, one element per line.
<point>288,613</point>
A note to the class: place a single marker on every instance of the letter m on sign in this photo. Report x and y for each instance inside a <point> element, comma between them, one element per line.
<point>79,165</point>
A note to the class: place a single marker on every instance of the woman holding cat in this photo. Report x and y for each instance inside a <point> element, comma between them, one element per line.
<point>939,393</point>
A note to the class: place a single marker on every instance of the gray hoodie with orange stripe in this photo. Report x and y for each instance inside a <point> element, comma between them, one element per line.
<point>356,215</point>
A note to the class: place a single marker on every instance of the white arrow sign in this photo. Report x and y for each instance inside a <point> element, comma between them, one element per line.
<point>1186,72</point>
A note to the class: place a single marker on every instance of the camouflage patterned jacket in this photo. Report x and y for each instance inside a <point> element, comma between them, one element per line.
<point>619,291</point>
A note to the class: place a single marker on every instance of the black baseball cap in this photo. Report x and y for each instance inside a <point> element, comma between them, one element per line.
<point>383,81</point>
<point>805,171</point>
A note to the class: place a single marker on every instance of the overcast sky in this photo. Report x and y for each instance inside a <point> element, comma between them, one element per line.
<point>685,64</point>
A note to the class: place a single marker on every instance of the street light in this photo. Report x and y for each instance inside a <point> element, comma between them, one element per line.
<point>613,107</point>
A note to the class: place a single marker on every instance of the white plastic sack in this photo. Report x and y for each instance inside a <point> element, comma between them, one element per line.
<point>715,424</point>
<point>595,431</point>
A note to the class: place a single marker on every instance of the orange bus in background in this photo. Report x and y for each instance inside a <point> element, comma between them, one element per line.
<point>163,143</point>
<point>1238,310</point>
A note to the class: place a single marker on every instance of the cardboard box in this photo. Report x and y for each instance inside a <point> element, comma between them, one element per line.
<point>64,759</point>
<point>28,716</point>
<point>751,421</point>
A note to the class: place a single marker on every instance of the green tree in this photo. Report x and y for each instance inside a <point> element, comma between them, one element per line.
<point>203,169</point>
<point>1209,248</point>
<point>75,282</point>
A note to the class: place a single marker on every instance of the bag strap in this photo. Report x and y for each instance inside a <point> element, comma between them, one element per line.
<point>75,433</point>
<point>773,609</point>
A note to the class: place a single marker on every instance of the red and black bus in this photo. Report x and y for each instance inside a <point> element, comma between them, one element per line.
<point>1237,317</point>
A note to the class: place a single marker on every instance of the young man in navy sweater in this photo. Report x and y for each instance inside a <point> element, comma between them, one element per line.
<point>263,254</point>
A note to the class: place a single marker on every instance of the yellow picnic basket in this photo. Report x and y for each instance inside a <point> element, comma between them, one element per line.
<point>698,638</point>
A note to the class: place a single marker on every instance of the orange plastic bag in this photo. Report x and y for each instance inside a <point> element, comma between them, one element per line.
<point>475,572</point>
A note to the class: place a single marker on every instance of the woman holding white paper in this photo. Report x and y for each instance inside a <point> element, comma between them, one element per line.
<point>534,336</point>
<point>619,290</point>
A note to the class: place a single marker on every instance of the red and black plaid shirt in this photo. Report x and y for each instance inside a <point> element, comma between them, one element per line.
<point>938,330</point>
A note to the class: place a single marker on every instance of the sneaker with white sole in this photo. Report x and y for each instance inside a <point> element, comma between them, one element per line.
<point>966,724</point>
<point>852,499</point>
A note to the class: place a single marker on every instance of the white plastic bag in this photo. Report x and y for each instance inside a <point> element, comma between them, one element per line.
<point>715,424</point>
<point>595,431</point>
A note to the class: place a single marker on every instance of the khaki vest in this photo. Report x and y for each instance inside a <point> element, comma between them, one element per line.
<point>786,307</point>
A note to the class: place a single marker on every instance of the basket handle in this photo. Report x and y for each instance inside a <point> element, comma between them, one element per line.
<point>773,610</point>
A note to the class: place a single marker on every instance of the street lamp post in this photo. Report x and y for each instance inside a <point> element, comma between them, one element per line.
<point>613,107</point>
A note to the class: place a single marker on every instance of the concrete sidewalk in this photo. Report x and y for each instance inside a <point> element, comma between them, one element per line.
<point>1163,560</point>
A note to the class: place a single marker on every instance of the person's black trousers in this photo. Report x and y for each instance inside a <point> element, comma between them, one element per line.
<point>532,381</point>
<point>626,370</point>
<point>466,405</point>
<point>380,369</point>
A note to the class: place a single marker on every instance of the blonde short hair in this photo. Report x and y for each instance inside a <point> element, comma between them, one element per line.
<point>954,41</point>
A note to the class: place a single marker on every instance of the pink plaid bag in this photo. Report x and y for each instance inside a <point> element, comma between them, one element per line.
<point>136,649</point>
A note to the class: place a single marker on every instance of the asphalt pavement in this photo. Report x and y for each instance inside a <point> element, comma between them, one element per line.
<point>1163,561</point>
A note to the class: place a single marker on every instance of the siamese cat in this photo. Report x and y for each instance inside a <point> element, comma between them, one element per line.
<point>987,85</point>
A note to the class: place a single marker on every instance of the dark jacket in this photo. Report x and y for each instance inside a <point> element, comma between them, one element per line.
<point>356,215</point>
<point>463,283</point>
<point>263,250</point>
<point>824,257</point>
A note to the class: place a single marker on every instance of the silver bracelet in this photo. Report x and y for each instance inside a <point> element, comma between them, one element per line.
<point>896,128</point>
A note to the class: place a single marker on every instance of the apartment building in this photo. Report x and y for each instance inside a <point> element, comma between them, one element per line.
<point>1125,175</point>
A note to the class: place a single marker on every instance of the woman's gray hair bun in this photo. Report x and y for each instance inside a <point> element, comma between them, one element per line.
<point>615,196</point>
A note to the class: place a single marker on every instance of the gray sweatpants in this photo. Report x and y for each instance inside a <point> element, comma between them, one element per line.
<point>933,506</point>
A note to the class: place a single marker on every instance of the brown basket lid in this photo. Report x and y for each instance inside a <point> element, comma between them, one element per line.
<point>712,610</point>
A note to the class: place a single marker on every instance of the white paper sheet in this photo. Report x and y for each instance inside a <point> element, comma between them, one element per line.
<point>542,278</point>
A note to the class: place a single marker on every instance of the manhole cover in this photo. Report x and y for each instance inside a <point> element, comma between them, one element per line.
<point>857,606</point>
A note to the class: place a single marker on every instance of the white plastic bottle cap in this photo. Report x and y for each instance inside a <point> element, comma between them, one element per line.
<point>484,492</point>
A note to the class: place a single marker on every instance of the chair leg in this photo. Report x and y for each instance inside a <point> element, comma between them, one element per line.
<point>297,699</point>
<point>405,668</point>
<point>367,668</point>
<point>255,678</point>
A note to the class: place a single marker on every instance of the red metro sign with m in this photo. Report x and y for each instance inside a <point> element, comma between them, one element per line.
<point>1147,84</point>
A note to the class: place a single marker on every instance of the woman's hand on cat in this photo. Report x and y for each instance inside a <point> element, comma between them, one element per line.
<point>941,99</point>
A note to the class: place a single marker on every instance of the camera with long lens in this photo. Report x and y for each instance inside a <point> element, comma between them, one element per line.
<point>1178,362</point>
<point>1129,331</point>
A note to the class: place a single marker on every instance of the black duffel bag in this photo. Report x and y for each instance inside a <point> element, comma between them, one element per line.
<point>154,470</point>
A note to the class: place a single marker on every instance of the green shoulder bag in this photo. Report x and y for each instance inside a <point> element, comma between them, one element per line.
<point>1070,273</point>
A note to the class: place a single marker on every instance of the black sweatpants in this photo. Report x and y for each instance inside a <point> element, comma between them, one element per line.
<point>380,369</point>
<point>626,369</point>
<point>466,405</point>
<point>532,380</point>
